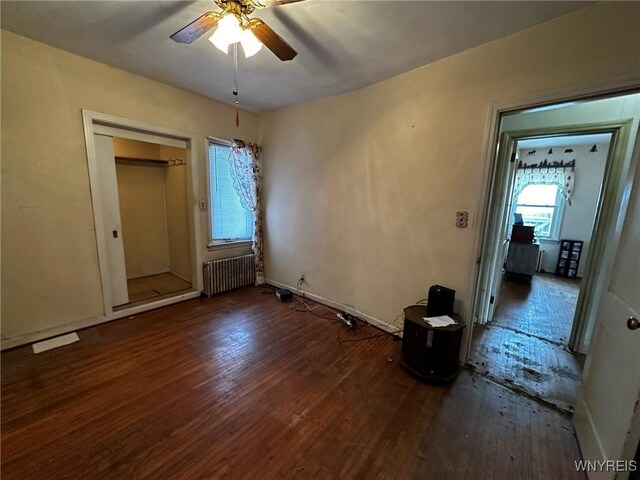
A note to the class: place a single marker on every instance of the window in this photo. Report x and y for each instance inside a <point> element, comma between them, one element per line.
<point>541,205</point>
<point>229,220</point>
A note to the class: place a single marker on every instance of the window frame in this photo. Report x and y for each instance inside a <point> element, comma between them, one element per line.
<point>558,211</point>
<point>211,243</point>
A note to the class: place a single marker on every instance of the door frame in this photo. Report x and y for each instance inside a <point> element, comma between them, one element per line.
<point>602,89</point>
<point>93,121</point>
<point>611,204</point>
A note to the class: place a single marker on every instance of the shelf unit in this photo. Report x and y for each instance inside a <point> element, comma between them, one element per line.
<point>149,162</point>
<point>569,258</point>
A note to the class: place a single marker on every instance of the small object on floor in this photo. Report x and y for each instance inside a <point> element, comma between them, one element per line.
<point>55,342</point>
<point>284,295</point>
<point>348,320</point>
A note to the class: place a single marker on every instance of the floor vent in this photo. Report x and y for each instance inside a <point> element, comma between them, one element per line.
<point>229,273</point>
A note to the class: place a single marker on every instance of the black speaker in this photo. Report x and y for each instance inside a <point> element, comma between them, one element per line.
<point>440,301</point>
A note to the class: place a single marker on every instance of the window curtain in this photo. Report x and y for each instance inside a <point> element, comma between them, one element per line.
<point>245,163</point>
<point>562,177</point>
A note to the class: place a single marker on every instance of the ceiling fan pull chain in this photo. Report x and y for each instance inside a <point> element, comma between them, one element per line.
<point>235,82</point>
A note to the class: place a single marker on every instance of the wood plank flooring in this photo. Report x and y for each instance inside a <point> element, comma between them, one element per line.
<point>544,308</point>
<point>242,386</point>
<point>524,347</point>
<point>152,286</point>
<point>537,367</point>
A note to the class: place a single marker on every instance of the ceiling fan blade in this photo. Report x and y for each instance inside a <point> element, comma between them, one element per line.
<point>197,28</point>
<point>272,40</point>
<point>273,3</point>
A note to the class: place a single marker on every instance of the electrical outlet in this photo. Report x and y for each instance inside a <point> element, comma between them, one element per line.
<point>302,278</point>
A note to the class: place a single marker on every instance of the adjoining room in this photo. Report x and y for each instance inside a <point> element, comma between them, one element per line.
<point>535,308</point>
<point>528,337</point>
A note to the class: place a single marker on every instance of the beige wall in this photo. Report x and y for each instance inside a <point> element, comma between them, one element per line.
<point>361,190</point>
<point>154,208</point>
<point>141,192</point>
<point>175,187</point>
<point>50,273</point>
<point>124,147</point>
<point>144,219</point>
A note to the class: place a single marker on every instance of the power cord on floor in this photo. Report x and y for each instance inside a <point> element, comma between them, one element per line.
<point>300,303</point>
<point>268,289</point>
<point>302,306</point>
<point>393,324</point>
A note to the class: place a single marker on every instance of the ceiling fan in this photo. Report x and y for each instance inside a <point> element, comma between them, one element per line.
<point>235,25</point>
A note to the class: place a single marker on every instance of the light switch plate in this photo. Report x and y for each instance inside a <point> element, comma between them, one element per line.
<point>462,219</point>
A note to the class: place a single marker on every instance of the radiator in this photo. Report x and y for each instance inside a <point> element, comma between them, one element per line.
<point>229,273</point>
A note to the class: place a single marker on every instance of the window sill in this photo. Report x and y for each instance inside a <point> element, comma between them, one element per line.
<point>548,240</point>
<point>224,245</point>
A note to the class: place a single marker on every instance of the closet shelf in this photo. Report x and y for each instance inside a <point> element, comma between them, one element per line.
<point>149,162</point>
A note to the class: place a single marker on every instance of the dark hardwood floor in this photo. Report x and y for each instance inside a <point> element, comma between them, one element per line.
<point>242,386</point>
<point>543,308</point>
<point>524,347</point>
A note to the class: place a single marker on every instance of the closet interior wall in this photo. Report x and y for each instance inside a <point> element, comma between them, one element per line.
<point>153,208</point>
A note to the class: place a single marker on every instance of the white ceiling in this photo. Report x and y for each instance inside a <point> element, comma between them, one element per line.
<point>342,45</point>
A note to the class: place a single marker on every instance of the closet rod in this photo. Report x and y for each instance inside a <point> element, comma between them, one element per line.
<point>149,162</point>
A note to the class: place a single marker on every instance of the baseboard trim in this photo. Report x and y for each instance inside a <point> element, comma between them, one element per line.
<point>90,322</point>
<point>339,306</point>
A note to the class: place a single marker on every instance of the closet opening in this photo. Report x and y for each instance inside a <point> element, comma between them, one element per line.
<point>152,197</point>
<point>144,184</point>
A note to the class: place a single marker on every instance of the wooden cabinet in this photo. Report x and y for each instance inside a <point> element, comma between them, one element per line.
<point>428,352</point>
<point>569,258</point>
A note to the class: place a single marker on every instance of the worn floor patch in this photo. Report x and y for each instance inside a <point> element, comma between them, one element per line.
<point>528,364</point>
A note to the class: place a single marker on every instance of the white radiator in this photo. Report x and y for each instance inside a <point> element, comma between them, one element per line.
<point>229,273</point>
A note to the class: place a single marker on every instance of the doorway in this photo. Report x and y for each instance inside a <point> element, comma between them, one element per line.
<point>142,179</point>
<point>552,209</point>
<point>544,268</point>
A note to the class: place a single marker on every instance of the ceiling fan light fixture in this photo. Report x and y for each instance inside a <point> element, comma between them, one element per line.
<point>227,33</point>
<point>250,44</point>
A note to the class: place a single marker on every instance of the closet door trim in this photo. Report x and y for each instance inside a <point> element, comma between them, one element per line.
<point>95,122</point>
<point>102,129</point>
